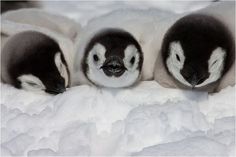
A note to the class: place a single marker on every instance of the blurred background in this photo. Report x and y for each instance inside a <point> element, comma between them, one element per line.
<point>82,11</point>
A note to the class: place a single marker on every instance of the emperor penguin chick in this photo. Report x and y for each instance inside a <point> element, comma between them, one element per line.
<point>197,51</point>
<point>112,58</point>
<point>34,61</point>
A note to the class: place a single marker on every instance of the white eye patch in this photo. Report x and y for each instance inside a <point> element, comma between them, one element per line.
<point>31,83</point>
<point>175,61</point>
<point>131,59</point>
<point>215,66</point>
<point>96,56</point>
<point>61,67</point>
<point>215,63</point>
<point>177,54</point>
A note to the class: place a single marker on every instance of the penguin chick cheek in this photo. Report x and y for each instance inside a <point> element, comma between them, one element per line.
<point>31,83</point>
<point>175,62</point>
<point>215,66</point>
<point>96,56</point>
<point>132,58</point>
<point>61,68</point>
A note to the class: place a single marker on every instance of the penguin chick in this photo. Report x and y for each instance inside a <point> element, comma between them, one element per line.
<point>197,50</point>
<point>34,62</point>
<point>113,58</point>
<point>15,5</point>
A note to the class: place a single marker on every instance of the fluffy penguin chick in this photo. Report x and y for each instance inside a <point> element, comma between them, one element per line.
<point>197,50</point>
<point>34,61</point>
<point>14,5</point>
<point>113,58</point>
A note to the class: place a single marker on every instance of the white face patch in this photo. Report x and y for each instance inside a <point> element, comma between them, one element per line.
<point>61,67</point>
<point>215,66</point>
<point>31,83</point>
<point>97,52</point>
<point>131,59</point>
<point>175,62</point>
<point>96,74</point>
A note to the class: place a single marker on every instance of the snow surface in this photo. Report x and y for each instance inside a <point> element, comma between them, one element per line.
<point>146,120</point>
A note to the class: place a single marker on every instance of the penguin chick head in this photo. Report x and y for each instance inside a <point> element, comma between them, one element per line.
<point>113,58</point>
<point>37,63</point>
<point>197,50</point>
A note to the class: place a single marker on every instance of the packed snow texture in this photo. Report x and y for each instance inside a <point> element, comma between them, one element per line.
<point>144,120</point>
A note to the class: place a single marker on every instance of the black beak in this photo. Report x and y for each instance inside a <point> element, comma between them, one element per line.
<point>194,77</point>
<point>113,66</point>
<point>59,89</point>
<point>193,81</point>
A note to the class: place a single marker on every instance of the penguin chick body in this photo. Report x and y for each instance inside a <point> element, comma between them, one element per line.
<point>112,58</point>
<point>33,61</point>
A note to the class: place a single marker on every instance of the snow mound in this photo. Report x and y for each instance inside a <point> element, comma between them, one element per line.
<point>145,120</point>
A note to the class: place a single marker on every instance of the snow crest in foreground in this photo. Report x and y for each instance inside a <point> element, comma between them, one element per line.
<point>145,120</point>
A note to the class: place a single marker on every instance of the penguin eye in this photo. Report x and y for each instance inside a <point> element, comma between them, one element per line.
<point>95,58</point>
<point>32,84</point>
<point>177,57</point>
<point>214,63</point>
<point>132,60</point>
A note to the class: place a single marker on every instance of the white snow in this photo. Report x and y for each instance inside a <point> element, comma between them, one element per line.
<point>146,120</point>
